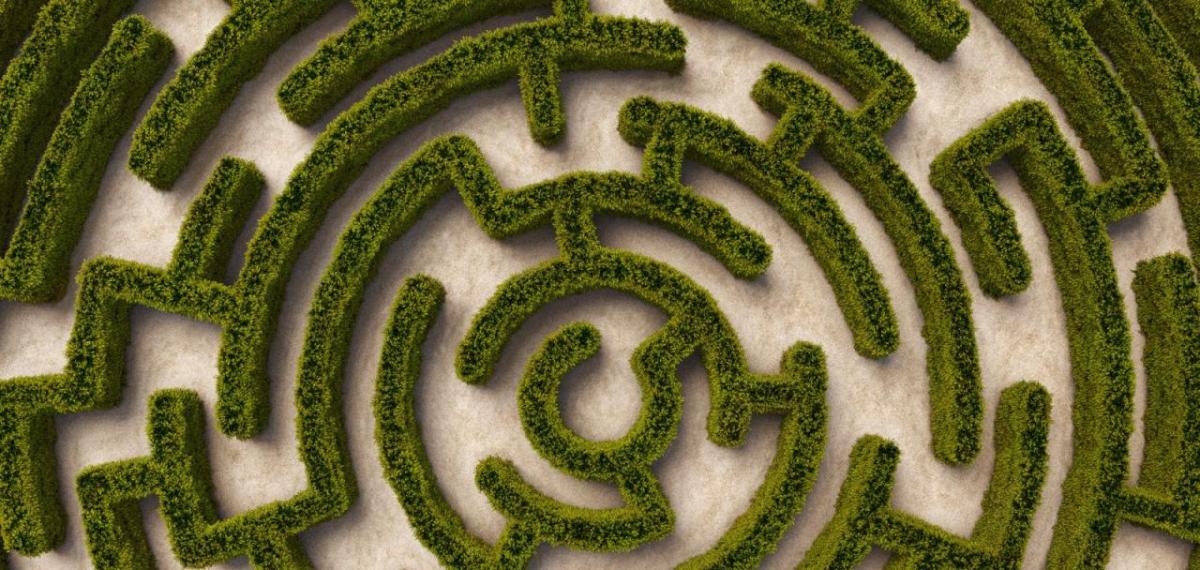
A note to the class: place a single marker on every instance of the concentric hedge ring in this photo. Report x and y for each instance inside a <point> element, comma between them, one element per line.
<point>1123,71</point>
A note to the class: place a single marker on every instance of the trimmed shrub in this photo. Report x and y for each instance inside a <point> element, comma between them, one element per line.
<point>215,219</point>
<point>37,259</point>
<point>37,85</point>
<point>534,518</point>
<point>177,470</point>
<point>1074,215</point>
<point>188,108</point>
<point>863,517</point>
<point>1168,302</point>
<point>186,288</point>
<point>246,310</point>
<point>1075,50</point>
<point>383,30</point>
<point>851,142</point>
<point>18,17</point>
<point>60,195</point>
<point>671,132</point>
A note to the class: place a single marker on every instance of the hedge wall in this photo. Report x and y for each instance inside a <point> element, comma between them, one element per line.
<point>850,140</point>
<point>1164,497</point>
<point>1100,59</point>
<point>37,85</point>
<point>1074,215</point>
<point>246,310</point>
<point>18,17</point>
<point>188,108</point>
<point>695,324</point>
<point>381,31</point>
<point>37,260</point>
<point>671,132</point>
<point>267,534</point>
<point>863,517</point>
<point>59,196</point>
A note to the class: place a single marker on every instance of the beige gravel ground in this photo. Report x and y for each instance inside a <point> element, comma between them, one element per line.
<point>1020,338</point>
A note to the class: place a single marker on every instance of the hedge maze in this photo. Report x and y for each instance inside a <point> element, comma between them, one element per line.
<point>1125,72</point>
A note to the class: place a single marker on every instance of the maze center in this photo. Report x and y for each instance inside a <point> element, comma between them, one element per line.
<point>1020,337</point>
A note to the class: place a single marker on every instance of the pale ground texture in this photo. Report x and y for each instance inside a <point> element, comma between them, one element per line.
<point>1020,338</point>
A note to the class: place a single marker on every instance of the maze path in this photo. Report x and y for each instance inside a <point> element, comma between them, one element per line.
<point>1144,66</point>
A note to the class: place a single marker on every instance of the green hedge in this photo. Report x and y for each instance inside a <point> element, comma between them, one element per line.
<point>1074,215</point>
<point>186,288</point>
<point>59,196</point>
<point>37,260</point>
<point>863,517</point>
<point>388,110</point>
<point>188,108</point>
<point>381,31</point>
<point>246,310</point>
<point>94,375</point>
<point>672,132</point>
<point>177,470</point>
<point>810,117</point>
<point>215,219</point>
<point>695,324</point>
<point>1101,59</point>
<point>18,17</point>
<point>537,52</point>
<point>1168,300</point>
<point>1154,69</point>
<point>37,85</point>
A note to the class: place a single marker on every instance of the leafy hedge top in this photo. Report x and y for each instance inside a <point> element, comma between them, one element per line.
<point>850,140</point>
<point>1121,71</point>
<point>246,310</point>
<point>1150,68</point>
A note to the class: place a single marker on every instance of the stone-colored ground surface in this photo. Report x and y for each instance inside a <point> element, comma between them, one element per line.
<point>1020,338</point>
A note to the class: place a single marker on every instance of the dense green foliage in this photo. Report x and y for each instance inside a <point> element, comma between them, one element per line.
<point>536,52</point>
<point>1168,300</point>
<point>188,108</point>
<point>1101,59</point>
<point>38,84</point>
<point>52,162</point>
<point>851,141</point>
<point>863,518</point>
<point>381,31</point>
<point>18,17</point>
<point>671,132</point>
<point>1074,214</point>
<point>246,310</point>
<point>695,324</point>
<point>35,265</point>
<point>59,197</point>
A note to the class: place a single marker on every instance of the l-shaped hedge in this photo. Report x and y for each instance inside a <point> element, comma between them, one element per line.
<point>188,108</point>
<point>1075,215</point>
